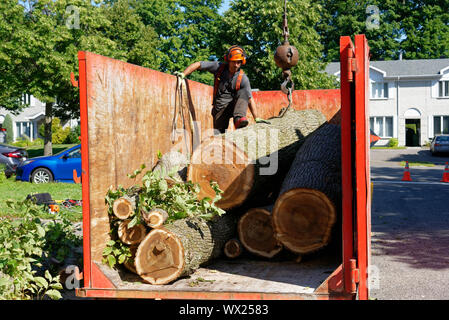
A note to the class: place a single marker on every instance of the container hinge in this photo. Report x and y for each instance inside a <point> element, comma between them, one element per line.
<point>352,65</point>
<point>355,275</point>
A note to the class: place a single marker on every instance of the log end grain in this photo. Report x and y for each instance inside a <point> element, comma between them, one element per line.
<point>154,218</point>
<point>220,160</point>
<point>233,248</point>
<point>256,233</point>
<point>123,207</point>
<point>303,220</point>
<point>160,257</point>
<point>133,235</point>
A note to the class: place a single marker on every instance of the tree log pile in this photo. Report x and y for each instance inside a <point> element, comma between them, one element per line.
<point>305,181</point>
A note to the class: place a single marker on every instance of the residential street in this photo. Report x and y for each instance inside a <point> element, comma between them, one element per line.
<point>410,227</point>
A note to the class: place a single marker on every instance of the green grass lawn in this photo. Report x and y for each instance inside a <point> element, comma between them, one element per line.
<point>37,151</point>
<point>17,190</point>
<point>418,163</point>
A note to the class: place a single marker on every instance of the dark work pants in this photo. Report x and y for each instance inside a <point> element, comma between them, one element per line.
<point>232,110</point>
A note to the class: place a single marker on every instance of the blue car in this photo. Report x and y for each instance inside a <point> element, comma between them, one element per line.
<point>58,167</point>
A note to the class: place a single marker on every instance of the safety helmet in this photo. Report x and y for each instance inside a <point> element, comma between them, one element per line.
<point>235,53</point>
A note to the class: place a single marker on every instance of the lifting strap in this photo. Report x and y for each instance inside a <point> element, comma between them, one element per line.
<point>217,80</point>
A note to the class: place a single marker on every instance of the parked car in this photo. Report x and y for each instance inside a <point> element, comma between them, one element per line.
<point>11,157</point>
<point>58,167</point>
<point>440,143</point>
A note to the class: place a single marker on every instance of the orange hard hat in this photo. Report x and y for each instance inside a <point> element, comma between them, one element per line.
<point>235,53</point>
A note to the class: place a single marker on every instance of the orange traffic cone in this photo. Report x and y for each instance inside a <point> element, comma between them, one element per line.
<point>406,176</point>
<point>445,174</point>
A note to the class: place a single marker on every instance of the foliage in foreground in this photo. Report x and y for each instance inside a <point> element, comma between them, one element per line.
<point>26,246</point>
<point>179,200</point>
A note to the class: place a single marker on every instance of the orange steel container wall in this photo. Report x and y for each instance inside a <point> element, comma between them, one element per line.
<point>126,119</point>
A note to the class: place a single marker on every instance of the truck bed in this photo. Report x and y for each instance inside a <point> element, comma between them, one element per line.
<point>239,276</point>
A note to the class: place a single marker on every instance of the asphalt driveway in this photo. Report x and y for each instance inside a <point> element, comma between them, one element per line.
<point>410,227</point>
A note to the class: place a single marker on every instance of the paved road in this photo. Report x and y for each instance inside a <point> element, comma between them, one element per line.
<point>410,227</point>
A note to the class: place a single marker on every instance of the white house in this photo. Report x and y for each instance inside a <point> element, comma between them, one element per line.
<point>29,120</point>
<point>409,99</point>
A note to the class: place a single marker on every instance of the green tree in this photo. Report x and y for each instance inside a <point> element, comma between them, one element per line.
<point>425,25</point>
<point>49,35</point>
<point>258,26</point>
<point>374,18</point>
<point>185,28</point>
<point>417,29</point>
<point>7,124</point>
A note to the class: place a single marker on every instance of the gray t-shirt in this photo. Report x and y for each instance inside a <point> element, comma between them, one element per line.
<point>226,88</point>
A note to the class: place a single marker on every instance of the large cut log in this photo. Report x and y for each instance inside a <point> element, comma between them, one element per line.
<point>181,247</point>
<point>309,201</point>
<point>251,162</point>
<point>256,233</point>
<point>124,206</point>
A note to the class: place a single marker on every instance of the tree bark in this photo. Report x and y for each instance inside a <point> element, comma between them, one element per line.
<point>173,161</point>
<point>256,233</point>
<point>309,201</point>
<point>48,147</point>
<point>181,247</point>
<point>251,162</point>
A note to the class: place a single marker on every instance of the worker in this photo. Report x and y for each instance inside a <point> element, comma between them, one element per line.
<point>232,90</point>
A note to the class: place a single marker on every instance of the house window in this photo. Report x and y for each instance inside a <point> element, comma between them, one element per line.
<point>379,90</point>
<point>23,128</point>
<point>382,126</point>
<point>443,89</point>
<point>440,124</point>
<point>26,98</point>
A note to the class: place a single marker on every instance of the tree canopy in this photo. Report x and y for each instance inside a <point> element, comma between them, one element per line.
<point>419,29</point>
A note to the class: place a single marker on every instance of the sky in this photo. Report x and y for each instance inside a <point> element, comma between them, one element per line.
<point>224,7</point>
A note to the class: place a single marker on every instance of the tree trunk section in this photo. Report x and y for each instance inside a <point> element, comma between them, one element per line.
<point>233,248</point>
<point>154,218</point>
<point>256,233</point>
<point>48,147</point>
<point>251,162</point>
<point>133,235</point>
<point>123,207</point>
<point>181,247</point>
<point>309,203</point>
<point>173,161</point>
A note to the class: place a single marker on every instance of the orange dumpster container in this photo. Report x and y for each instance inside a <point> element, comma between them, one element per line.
<point>126,119</point>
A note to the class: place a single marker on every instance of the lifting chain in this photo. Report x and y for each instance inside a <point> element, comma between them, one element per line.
<point>286,57</point>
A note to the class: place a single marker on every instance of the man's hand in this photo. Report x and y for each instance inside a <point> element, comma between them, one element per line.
<point>179,75</point>
<point>260,120</point>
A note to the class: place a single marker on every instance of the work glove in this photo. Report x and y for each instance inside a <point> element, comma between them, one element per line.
<point>260,120</point>
<point>179,75</point>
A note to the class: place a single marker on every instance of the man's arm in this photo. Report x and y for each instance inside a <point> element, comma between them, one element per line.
<point>193,67</point>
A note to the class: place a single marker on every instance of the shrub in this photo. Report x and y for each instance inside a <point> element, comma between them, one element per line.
<point>58,134</point>
<point>393,142</point>
<point>72,137</point>
<point>27,245</point>
<point>7,124</point>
